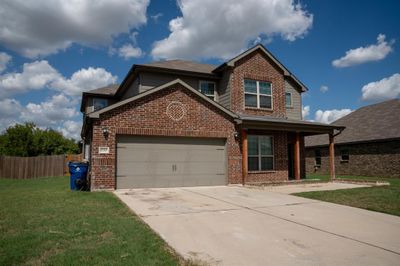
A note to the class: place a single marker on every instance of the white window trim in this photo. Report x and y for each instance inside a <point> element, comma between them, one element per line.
<point>259,156</point>
<point>291,99</point>
<point>215,88</point>
<point>258,94</point>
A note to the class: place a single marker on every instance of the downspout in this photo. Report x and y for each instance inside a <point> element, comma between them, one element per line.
<point>332,152</point>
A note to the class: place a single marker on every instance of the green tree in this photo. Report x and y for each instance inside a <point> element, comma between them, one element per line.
<point>29,140</point>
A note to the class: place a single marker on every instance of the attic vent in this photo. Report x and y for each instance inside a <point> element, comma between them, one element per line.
<point>176,110</point>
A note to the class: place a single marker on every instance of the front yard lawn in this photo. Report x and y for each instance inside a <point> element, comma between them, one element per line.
<point>381,199</point>
<point>43,223</point>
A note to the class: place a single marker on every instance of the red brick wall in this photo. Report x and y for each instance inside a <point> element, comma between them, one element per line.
<point>257,66</point>
<point>376,159</point>
<point>148,116</point>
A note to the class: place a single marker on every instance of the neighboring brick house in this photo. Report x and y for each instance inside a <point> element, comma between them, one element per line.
<point>181,123</point>
<point>369,146</point>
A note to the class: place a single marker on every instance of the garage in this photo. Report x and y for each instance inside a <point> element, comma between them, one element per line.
<point>154,162</point>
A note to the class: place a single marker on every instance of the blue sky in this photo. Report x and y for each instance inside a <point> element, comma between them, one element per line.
<point>51,51</point>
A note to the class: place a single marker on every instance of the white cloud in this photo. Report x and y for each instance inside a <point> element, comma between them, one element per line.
<point>56,112</point>
<point>373,52</point>
<point>328,116</point>
<point>305,112</point>
<point>4,60</point>
<point>383,89</point>
<point>34,76</point>
<point>53,112</point>
<point>156,17</point>
<point>9,112</point>
<point>50,112</point>
<point>221,29</point>
<point>128,51</point>
<point>71,129</point>
<point>42,27</point>
<point>40,74</point>
<point>323,88</point>
<point>83,80</point>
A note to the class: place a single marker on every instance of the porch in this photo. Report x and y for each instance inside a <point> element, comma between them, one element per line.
<point>273,148</point>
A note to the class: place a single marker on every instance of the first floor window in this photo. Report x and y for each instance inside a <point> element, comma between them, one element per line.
<point>288,99</point>
<point>344,155</point>
<point>257,94</point>
<point>260,153</point>
<point>99,103</point>
<point>317,157</point>
<point>208,88</point>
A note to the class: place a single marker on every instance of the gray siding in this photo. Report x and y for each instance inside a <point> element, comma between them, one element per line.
<point>150,80</point>
<point>224,91</point>
<point>293,112</point>
<point>132,90</point>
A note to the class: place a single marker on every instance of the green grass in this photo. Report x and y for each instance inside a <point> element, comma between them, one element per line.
<point>43,223</point>
<point>384,199</point>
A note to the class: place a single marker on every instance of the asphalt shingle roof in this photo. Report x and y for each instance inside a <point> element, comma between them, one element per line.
<point>183,65</point>
<point>107,90</point>
<point>369,123</point>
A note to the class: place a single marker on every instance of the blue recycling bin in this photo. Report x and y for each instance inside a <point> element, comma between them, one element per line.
<point>78,172</point>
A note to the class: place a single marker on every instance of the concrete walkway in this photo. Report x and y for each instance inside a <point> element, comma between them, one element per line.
<point>296,188</point>
<point>242,226</point>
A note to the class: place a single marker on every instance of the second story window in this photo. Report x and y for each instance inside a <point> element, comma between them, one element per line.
<point>288,99</point>
<point>208,89</point>
<point>257,94</point>
<point>99,103</point>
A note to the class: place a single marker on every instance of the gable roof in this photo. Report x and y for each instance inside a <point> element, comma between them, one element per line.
<point>183,65</point>
<point>205,70</point>
<point>369,123</point>
<point>286,72</point>
<point>157,89</point>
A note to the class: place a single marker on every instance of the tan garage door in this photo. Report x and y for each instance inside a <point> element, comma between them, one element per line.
<point>146,162</point>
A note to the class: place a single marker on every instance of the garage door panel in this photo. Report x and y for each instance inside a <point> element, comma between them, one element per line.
<point>199,168</point>
<point>143,168</point>
<point>170,162</point>
<point>126,140</point>
<point>143,155</point>
<point>160,168</point>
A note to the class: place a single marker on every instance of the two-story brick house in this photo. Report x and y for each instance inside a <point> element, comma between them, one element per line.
<point>180,123</point>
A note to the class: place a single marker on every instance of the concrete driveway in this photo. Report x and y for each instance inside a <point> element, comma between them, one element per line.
<point>243,226</point>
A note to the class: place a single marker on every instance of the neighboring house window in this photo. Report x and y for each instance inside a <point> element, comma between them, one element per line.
<point>317,157</point>
<point>288,99</point>
<point>260,153</point>
<point>208,88</point>
<point>257,94</point>
<point>99,103</point>
<point>344,155</point>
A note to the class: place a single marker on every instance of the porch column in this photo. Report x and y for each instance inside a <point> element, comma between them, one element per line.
<point>332,156</point>
<point>244,156</point>
<point>297,157</point>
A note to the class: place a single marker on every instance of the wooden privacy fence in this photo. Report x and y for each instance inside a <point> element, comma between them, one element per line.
<point>33,167</point>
